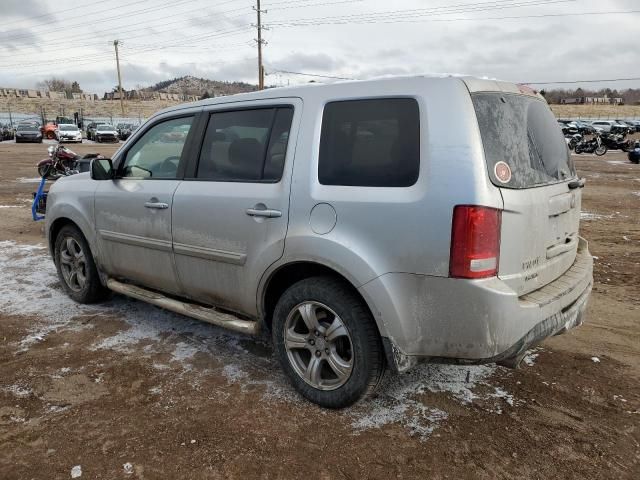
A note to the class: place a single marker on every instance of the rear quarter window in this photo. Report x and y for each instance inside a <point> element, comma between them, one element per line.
<point>370,143</point>
<point>522,132</point>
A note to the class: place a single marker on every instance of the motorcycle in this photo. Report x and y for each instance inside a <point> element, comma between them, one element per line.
<point>617,141</point>
<point>64,162</point>
<point>634,155</point>
<point>595,145</point>
<point>573,140</point>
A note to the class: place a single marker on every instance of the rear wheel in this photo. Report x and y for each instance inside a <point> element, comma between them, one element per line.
<point>327,342</point>
<point>51,135</point>
<point>76,269</point>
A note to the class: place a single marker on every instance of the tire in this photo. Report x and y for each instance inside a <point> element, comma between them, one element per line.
<point>43,170</point>
<point>578,149</point>
<point>74,262</point>
<point>601,150</point>
<point>50,135</point>
<point>355,351</point>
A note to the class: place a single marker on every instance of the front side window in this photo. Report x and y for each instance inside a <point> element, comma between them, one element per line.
<point>157,153</point>
<point>245,145</point>
<point>373,143</point>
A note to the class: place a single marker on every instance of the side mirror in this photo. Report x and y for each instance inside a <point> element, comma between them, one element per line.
<point>102,169</point>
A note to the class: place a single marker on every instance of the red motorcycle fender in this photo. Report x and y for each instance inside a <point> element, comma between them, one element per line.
<point>46,161</point>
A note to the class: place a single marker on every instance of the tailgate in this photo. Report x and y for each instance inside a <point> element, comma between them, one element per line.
<point>539,238</point>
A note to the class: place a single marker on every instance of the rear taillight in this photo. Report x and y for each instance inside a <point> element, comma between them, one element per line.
<point>475,242</point>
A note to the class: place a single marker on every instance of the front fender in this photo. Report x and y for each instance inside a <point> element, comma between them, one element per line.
<point>72,198</point>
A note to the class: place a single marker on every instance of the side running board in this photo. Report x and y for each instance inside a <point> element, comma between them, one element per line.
<point>209,315</point>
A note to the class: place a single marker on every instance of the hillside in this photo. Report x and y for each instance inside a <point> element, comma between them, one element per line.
<point>189,85</point>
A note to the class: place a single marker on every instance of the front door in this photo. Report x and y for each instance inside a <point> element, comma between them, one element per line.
<point>230,217</point>
<point>133,212</point>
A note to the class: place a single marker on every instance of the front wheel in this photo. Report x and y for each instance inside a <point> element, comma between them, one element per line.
<point>327,342</point>
<point>578,149</point>
<point>601,150</point>
<point>76,269</point>
<point>45,170</point>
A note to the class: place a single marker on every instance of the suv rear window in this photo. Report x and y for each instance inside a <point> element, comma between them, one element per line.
<point>522,132</point>
<point>370,143</point>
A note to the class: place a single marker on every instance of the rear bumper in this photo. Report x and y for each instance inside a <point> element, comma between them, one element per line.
<point>474,321</point>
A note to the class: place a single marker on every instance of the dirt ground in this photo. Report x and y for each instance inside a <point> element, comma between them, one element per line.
<point>126,390</point>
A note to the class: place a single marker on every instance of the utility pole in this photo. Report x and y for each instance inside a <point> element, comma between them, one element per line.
<point>260,43</point>
<point>115,44</point>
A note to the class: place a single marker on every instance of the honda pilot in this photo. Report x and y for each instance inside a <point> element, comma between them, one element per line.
<point>365,226</point>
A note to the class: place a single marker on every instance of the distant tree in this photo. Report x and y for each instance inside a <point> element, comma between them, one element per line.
<point>205,95</point>
<point>75,87</point>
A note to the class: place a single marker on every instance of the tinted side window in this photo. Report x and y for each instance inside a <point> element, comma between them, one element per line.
<point>245,145</point>
<point>157,153</point>
<point>372,143</point>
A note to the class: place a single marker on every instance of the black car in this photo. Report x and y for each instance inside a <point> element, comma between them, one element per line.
<point>28,132</point>
<point>633,128</point>
<point>6,132</point>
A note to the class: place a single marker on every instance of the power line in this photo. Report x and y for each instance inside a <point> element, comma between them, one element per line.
<point>307,74</point>
<point>633,79</point>
<point>392,16</point>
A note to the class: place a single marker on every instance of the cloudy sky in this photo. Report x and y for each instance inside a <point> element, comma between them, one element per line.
<point>517,40</point>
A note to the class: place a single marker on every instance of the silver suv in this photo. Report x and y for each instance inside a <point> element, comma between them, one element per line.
<point>365,225</point>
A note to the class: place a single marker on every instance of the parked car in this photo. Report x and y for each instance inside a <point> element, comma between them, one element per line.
<point>125,130</point>
<point>341,228</point>
<point>105,132</point>
<point>68,133</point>
<point>585,128</point>
<point>568,127</point>
<point>7,132</point>
<point>91,130</point>
<point>610,126</point>
<point>28,132</point>
<point>631,127</point>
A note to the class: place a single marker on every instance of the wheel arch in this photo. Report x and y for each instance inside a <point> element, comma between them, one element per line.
<point>285,275</point>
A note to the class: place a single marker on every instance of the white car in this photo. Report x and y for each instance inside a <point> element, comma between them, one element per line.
<point>607,125</point>
<point>68,132</point>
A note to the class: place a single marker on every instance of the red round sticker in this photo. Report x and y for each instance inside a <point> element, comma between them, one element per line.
<point>503,172</point>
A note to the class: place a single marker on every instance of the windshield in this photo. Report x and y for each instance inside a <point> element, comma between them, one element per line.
<point>27,128</point>
<point>522,132</point>
<point>68,127</point>
<point>104,126</point>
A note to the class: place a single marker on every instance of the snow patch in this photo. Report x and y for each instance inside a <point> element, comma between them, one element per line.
<point>28,180</point>
<point>593,216</point>
<point>399,400</point>
<point>76,472</point>
<point>595,359</point>
<point>18,391</point>
<point>531,356</point>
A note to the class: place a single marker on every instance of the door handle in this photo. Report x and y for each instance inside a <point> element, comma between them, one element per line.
<point>254,212</point>
<point>156,205</point>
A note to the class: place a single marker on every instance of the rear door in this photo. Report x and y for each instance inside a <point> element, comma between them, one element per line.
<point>230,214</point>
<point>527,158</point>
<point>133,211</point>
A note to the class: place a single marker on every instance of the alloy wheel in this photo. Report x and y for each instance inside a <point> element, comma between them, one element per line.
<point>318,345</point>
<point>73,264</point>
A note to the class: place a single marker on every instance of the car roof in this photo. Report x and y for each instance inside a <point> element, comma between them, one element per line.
<point>321,90</point>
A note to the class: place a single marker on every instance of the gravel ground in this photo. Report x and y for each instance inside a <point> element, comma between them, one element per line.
<point>126,390</point>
